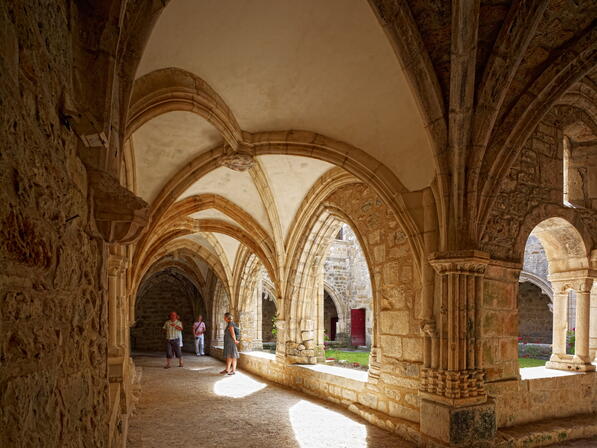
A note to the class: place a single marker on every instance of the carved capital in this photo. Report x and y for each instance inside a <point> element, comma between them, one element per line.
<point>471,262</point>
<point>120,216</point>
<point>454,387</point>
<point>240,159</point>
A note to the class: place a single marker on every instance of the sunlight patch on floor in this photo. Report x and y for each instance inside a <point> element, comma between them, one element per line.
<point>198,368</point>
<point>237,386</point>
<point>317,427</point>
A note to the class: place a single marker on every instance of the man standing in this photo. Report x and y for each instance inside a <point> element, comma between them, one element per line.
<point>173,329</point>
<point>199,332</point>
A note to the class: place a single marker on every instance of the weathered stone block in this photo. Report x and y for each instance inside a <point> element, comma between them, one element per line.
<point>458,426</point>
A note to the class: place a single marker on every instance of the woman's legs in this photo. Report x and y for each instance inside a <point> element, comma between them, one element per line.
<point>234,360</point>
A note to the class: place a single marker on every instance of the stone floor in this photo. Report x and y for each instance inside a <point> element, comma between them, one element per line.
<point>195,406</point>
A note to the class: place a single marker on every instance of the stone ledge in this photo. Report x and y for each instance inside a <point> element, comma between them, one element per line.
<point>547,432</point>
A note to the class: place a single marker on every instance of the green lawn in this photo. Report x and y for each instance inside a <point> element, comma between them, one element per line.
<point>363,358</point>
<point>530,362</point>
<point>360,357</point>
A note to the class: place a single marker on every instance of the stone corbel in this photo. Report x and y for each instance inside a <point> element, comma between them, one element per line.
<point>120,216</point>
<point>241,158</point>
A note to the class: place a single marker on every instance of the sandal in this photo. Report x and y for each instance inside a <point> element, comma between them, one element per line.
<point>231,373</point>
<point>166,367</point>
<point>223,372</point>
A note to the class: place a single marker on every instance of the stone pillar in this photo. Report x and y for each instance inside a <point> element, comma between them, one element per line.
<point>116,270</point>
<point>583,310</point>
<point>454,404</point>
<point>593,323</point>
<point>562,283</point>
<point>560,304</point>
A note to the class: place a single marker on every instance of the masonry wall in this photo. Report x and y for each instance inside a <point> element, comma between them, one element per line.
<point>53,337</point>
<point>535,320</point>
<point>161,294</point>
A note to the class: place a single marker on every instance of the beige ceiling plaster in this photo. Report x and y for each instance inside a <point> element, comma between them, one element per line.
<point>213,214</point>
<point>201,240</point>
<point>323,66</point>
<point>235,186</point>
<point>165,144</point>
<point>291,177</point>
<point>230,246</point>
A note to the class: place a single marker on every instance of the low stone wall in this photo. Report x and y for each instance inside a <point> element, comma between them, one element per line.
<point>532,400</point>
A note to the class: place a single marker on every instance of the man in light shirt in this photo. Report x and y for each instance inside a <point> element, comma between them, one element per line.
<point>199,332</point>
<point>173,328</point>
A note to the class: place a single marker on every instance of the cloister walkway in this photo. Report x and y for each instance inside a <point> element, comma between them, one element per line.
<point>196,407</point>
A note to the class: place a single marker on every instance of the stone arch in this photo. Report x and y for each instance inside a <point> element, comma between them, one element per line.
<point>392,268</point>
<point>564,246</point>
<point>163,291</point>
<point>568,264</point>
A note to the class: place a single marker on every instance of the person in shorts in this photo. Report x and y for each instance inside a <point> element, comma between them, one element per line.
<point>173,329</point>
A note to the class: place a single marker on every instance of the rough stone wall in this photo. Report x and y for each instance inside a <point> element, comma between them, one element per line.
<point>53,337</point>
<point>536,178</point>
<point>533,186</point>
<point>346,269</point>
<point>164,292</point>
<point>535,320</point>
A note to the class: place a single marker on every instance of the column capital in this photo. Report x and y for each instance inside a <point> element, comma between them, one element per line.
<point>472,262</point>
<point>116,264</point>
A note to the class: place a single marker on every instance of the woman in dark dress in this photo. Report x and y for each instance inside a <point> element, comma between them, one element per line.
<point>231,340</point>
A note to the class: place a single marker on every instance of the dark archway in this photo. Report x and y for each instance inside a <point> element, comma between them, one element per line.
<point>163,292</point>
<point>330,317</point>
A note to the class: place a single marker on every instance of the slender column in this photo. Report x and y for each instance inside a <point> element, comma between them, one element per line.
<point>583,309</point>
<point>581,283</point>
<point>560,304</point>
<point>593,323</point>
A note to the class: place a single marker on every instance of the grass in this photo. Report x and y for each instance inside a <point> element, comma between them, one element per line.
<point>363,358</point>
<point>360,357</point>
<point>530,362</point>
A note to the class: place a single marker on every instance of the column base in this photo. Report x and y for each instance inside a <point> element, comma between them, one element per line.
<point>459,426</point>
<point>569,363</point>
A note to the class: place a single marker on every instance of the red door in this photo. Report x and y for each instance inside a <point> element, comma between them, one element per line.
<point>357,326</point>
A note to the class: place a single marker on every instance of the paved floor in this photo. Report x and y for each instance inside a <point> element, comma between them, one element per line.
<point>196,407</point>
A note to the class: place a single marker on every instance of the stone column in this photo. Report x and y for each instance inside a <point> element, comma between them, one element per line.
<point>116,265</point>
<point>562,283</point>
<point>583,313</point>
<point>560,305</point>
<point>454,407</point>
<point>593,323</point>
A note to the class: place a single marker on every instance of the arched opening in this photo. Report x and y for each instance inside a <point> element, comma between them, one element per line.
<point>268,321</point>
<point>348,310</point>
<point>330,318</point>
<point>555,286</point>
<point>159,294</point>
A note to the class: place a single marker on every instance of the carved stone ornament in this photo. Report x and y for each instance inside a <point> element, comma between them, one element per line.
<point>241,159</point>
<point>120,216</point>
